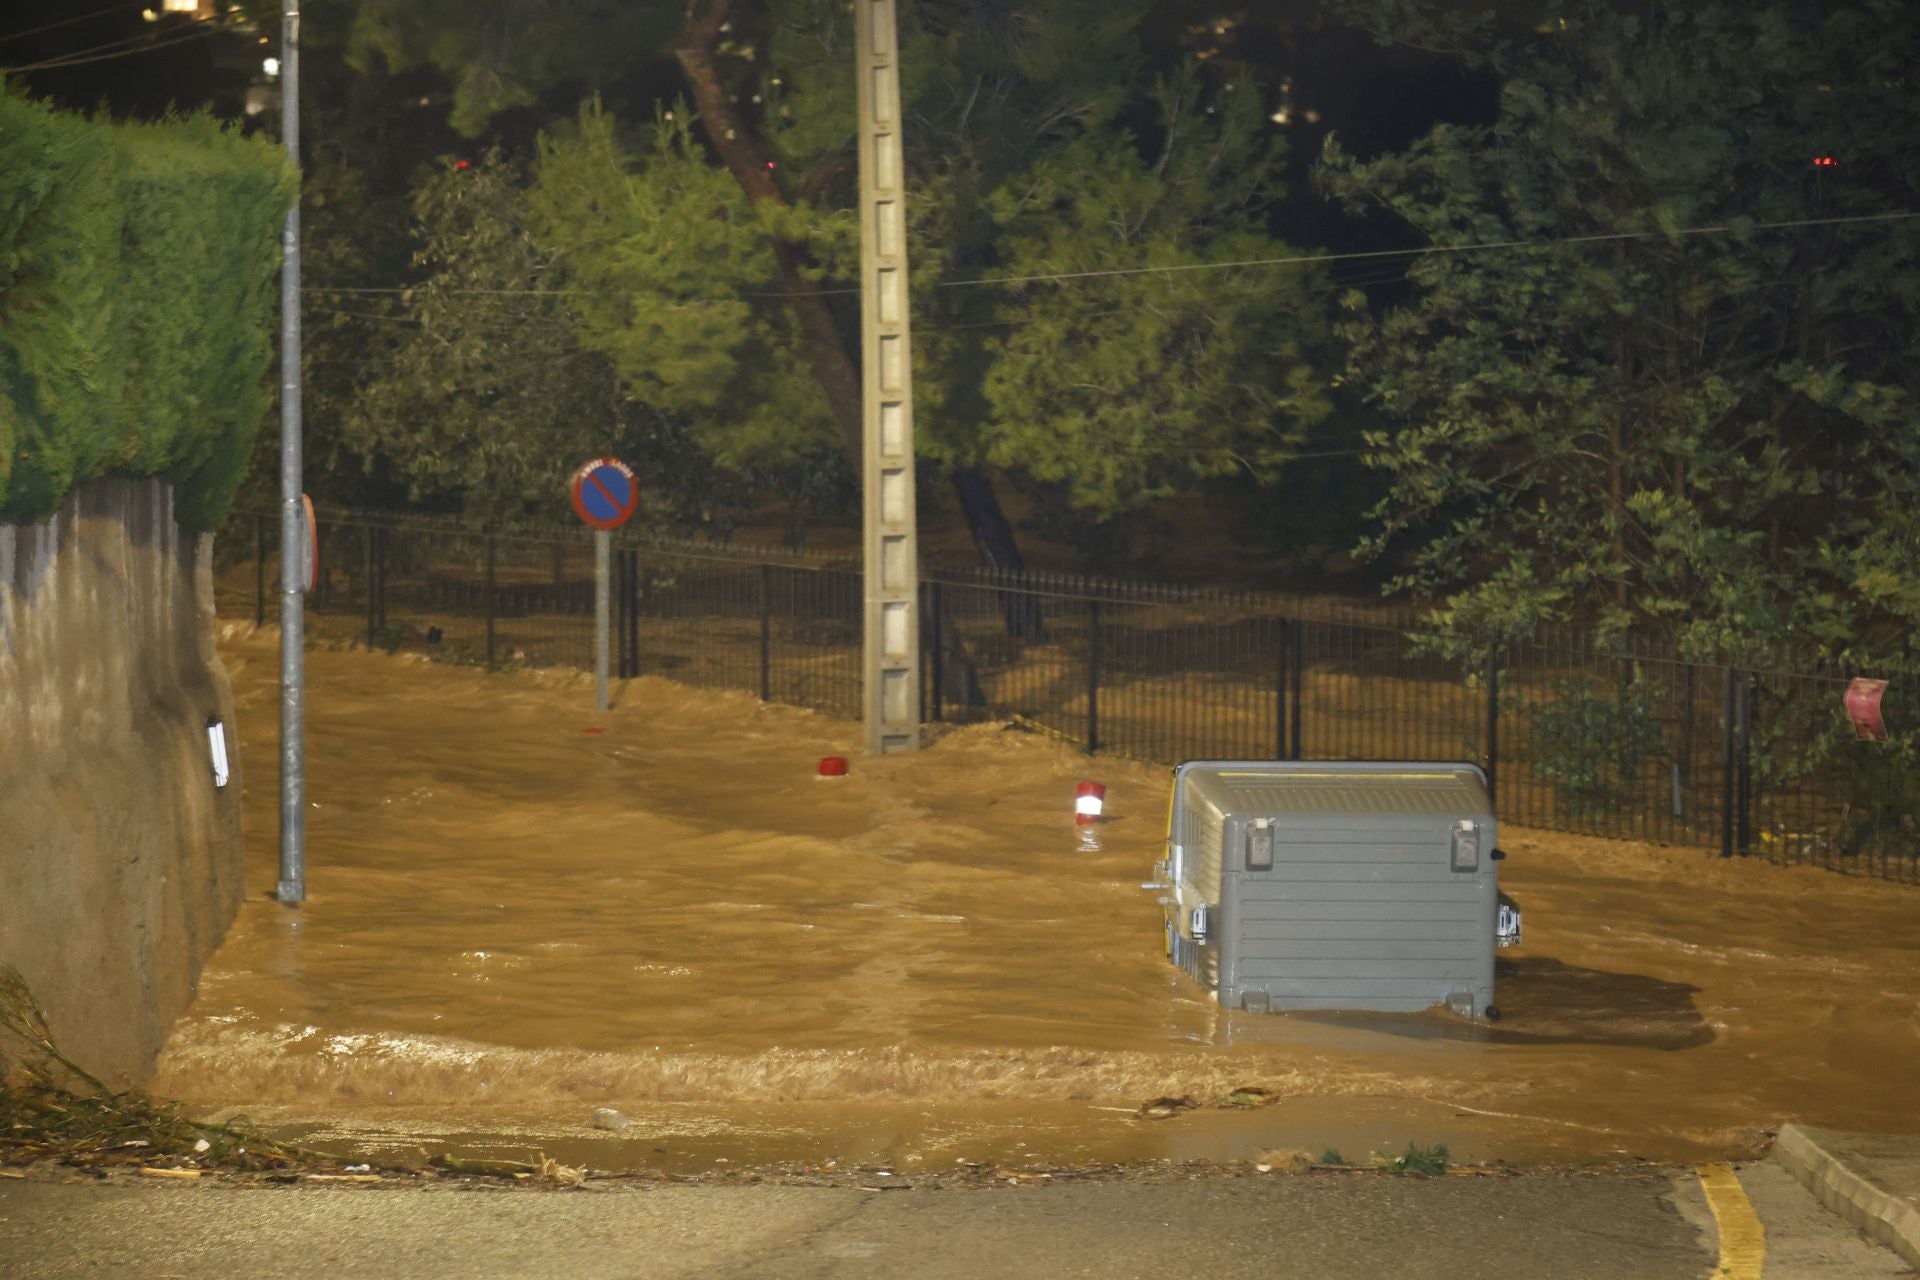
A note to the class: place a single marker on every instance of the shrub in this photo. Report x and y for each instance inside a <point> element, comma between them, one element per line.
<point>1591,747</point>
<point>137,265</point>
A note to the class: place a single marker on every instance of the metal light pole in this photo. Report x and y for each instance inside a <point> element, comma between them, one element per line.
<point>891,543</point>
<point>293,806</point>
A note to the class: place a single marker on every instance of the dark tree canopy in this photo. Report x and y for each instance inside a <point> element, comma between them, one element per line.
<point>1706,436</point>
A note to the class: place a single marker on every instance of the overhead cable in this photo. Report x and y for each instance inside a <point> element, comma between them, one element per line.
<point>1301,259</point>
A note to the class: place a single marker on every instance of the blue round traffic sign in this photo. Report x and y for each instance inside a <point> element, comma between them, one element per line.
<point>605,493</point>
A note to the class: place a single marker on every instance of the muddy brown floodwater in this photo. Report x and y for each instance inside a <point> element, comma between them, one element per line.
<point>521,911</point>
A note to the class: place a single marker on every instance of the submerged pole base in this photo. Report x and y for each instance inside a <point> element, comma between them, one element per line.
<point>291,892</point>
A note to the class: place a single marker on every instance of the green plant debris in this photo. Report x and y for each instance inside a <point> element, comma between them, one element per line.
<point>1419,1161</point>
<point>1332,1156</point>
<point>51,1108</point>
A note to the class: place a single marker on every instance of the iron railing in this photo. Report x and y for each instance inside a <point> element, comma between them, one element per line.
<point>1620,741</point>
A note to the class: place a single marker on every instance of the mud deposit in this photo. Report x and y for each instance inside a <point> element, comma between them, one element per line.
<point>522,911</point>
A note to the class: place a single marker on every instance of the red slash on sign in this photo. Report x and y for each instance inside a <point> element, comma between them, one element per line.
<point>1863,708</point>
<point>605,493</point>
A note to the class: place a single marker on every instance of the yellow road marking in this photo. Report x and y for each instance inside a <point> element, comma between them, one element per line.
<point>1743,1241</point>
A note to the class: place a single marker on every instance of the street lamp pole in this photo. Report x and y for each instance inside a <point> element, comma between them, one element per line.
<point>890,538</point>
<point>292,887</point>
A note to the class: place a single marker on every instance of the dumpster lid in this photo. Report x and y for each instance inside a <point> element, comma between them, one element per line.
<point>1326,787</point>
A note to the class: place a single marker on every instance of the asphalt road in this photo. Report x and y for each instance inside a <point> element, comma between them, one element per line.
<point>1643,1226</point>
<point>1272,1227</point>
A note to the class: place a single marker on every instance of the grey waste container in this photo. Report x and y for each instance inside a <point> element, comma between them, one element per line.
<point>1335,885</point>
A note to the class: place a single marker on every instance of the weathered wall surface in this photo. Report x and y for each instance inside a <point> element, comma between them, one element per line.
<point>120,862</point>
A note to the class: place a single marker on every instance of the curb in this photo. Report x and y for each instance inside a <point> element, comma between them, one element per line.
<point>1853,1195</point>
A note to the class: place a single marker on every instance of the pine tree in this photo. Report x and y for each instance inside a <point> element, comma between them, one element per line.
<point>1686,408</point>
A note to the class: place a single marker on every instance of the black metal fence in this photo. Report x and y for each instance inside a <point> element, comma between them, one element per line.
<point>1623,742</point>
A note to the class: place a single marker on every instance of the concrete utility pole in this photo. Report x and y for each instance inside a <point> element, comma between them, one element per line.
<point>293,539</point>
<point>892,549</point>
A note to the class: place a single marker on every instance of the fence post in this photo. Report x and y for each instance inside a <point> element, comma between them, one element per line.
<point>1743,832</point>
<point>259,571</point>
<point>366,575</point>
<point>938,653</point>
<point>380,574</point>
<point>1728,742</point>
<point>1683,796</point>
<point>1280,692</point>
<point>1298,674</point>
<point>633,611</point>
<point>766,633</point>
<point>1093,678</point>
<point>1493,726</point>
<point>617,595</point>
<point>493,610</point>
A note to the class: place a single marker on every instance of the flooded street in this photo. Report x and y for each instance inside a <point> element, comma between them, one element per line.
<point>521,910</point>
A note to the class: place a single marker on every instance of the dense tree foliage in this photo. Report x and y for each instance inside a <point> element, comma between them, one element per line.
<point>1123,388</point>
<point>483,389</point>
<point>1689,411</point>
<point>671,273</point>
<point>708,253</point>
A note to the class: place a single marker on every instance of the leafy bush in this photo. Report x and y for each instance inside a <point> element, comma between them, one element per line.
<point>136,270</point>
<point>1590,747</point>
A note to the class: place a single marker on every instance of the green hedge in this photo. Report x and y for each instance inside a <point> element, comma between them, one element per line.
<point>137,270</point>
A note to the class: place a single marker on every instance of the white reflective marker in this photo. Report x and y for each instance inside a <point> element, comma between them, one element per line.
<point>217,747</point>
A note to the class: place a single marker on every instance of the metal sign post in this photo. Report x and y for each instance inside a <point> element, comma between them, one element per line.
<point>602,593</point>
<point>605,496</point>
<point>891,543</point>
<point>292,887</point>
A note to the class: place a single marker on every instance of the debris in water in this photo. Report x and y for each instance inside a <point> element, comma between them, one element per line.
<point>564,1174</point>
<point>53,1109</point>
<point>488,1168</point>
<point>608,1118</point>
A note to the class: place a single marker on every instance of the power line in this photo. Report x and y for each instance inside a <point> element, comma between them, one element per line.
<point>421,288</point>
<point>139,37</point>
<point>510,321</point>
<point>1301,259</point>
<point>93,55</point>
<point>1244,263</point>
<point>64,22</point>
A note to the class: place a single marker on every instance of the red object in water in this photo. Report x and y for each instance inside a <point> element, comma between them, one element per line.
<point>1863,708</point>
<point>1088,799</point>
<point>833,766</point>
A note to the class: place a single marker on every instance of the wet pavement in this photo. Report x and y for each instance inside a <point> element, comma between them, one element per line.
<point>521,911</point>
<point>1588,1225</point>
<point>1629,1228</point>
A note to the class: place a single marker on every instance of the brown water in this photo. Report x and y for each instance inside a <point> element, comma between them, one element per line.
<point>513,921</point>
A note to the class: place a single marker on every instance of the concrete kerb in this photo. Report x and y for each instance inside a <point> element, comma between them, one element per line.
<point>1842,1175</point>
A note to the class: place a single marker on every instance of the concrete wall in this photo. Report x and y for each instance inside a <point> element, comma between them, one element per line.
<point>120,862</point>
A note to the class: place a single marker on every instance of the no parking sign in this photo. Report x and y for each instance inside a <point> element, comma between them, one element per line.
<point>605,493</point>
<point>605,496</point>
